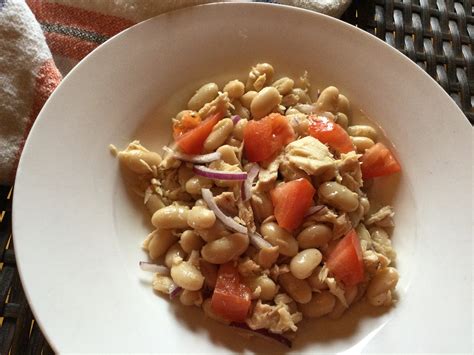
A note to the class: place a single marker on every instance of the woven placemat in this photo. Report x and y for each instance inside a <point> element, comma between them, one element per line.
<point>437,35</point>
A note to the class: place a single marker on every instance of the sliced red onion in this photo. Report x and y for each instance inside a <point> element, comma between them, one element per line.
<point>247,186</point>
<point>257,241</point>
<point>159,269</point>
<point>204,171</point>
<point>197,159</point>
<point>235,118</point>
<point>314,209</point>
<point>175,291</point>
<point>228,221</point>
<point>263,332</point>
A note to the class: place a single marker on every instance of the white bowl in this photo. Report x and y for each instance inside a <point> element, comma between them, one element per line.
<point>77,232</point>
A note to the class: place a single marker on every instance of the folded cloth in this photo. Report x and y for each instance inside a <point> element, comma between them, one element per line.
<point>42,40</point>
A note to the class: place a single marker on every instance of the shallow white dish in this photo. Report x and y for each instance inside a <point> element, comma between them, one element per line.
<point>77,234</point>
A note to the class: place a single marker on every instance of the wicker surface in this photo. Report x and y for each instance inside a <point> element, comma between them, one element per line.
<point>437,35</point>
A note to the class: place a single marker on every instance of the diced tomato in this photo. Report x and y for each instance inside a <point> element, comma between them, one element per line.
<point>192,141</point>
<point>330,133</point>
<point>378,160</point>
<point>345,260</point>
<point>231,298</point>
<point>265,138</point>
<point>187,123</point>
<point>291,200</point>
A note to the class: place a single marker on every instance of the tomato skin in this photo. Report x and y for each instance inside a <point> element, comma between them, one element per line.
<point>265,138</point>
<point>192,141</point>
<point>330,133</point>
<point>377,161</point>
<point>231,298</point>
<point>291,200</point>
<point>345,260</point>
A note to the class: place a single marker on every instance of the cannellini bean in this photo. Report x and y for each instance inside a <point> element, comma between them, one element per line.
<point>206,306</point>
<point>225,249</point>
<point>342,120</point>
<point>190,241</point>
<point>363,131</point>
<point>187,276</point>
<point>154,203</point>
<point>267,257</point>
<point>217,231</point>
<point>265,68</point>
<point>239,129</point>
<point>268,288</point>
<point>267,99</point>
<point>362,143</point>
<point>210,273</point>
<point>303,264</point>
<point>159,242</point>
<point>298,289</point>
<point>203,95</point>
<point>320,305</point>
<point>381,287</point>
<point>219,134</point>
<point>315,282</point>
<point>229,154</point>
<point>338,196</point>
<point>174,255</point>
<point>278,236</point>
<point>162,283</point>
<point>201,218</point>
<point>314,236</point>
<point>349,294</point>
<point>247,98</point>
<point>171,217</point>
<point>284,85</point>
<point>328,100</point>
<point>234,88</point>
<point>261,205</point>
<point>196,184</point>
<point>138,160</point>
<point>190,298</point>
<point>343,105</point>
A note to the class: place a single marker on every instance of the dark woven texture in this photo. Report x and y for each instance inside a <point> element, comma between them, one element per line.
<point>437,35</point>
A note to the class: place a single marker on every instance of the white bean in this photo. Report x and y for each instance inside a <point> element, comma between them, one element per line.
<point>328,99</point>
<point>303,264</point>
<point>338,196</point>
<point>229,154</point>
<point>381,287</point>
<point>190,241</point>
<point>171,217</point>
<point>343,105</point>
<point>187,276</point>
<point>219,134</point>
<point>234,88</point>
<point>196,184</point>
<point>159,242</point>
<point>268,288</point>
<point>174,255</point>
<point>239,129</point>
<point>320,305</point>
<point>247,98</point>
<point>314,236</point>
<point>138,160</point>
<point>362,131</point>
<point>225,249</point>
<point>362,143</point>
<point>162,283</point>
<point>349,294</point>
<point>217,231</point>
<point>278,236</point>
<point>298,289</point>
<point>240,110</point>
<point>284,85</point>
<point>301,96</point>
<point>342,120</point>
<point>261,205</point>
<point>315,282</point>
<point>201,218</point>
<point>154,203</point>
<point>203,95</point>
<point>267,99</point>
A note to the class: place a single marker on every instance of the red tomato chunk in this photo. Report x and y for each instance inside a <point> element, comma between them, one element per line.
<point>291,201</point>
